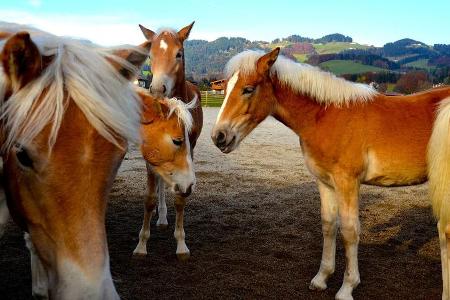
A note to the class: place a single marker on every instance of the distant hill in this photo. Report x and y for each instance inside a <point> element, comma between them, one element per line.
<point>336,52</point>
<point>207,59</point>
<point>405,47</point>
<point>335,37</point>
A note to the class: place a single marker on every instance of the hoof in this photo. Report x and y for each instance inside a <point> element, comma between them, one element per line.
<point>343,297</point>
<point>139,253</point>
<point>183,256</point>
<point>40,296</point>
<point>162,226</point>
<point>138,256</point>
<point>317,285</point>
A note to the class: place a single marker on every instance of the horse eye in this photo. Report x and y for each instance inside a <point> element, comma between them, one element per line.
<point>179,55</point>
<point>177,142</point>
<point>23,157</point>
<point>248,90</point>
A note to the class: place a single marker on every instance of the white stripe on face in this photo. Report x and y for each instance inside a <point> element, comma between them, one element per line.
<point>230,86</point>
<point>163,45</point>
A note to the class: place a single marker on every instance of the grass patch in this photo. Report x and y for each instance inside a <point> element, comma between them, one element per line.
<point>421,64</point>
<point>340,67</point>
<point>337,47</point>
<point>390,87</point>
<point>301,57</point>
<point>212,100</point>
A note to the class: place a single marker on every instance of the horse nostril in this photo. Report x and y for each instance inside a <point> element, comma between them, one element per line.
<point>151,90</point>
<point>164,89</point>
<point>220,138</point>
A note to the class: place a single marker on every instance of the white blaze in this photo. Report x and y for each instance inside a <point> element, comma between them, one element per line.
<point>230,86</point>
<point>163,45</point>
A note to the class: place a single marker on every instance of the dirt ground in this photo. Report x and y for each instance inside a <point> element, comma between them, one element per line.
<point>253,228</point>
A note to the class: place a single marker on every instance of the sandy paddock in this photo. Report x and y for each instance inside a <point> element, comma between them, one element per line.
<point>253,228</point>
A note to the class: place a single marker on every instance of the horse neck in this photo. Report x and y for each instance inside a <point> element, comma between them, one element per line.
<point>180,88</point>
<point>298,112</point>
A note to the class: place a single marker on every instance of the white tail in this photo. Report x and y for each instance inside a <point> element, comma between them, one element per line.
<point>439,164</point>
<point>439,181</point>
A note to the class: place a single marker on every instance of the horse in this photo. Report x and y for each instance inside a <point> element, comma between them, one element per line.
<point>68,111</point>
<point>4,212</point>
<point>349,135</point>
<point>165,127</point>
<point>168,68</point>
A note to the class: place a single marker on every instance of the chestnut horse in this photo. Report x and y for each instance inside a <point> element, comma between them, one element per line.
<point>68,111</point>
<point>165,127</point>
<point>168,68</point>
<point>349,135</point>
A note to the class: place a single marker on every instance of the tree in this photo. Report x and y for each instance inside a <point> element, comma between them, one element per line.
<point>413,82</point>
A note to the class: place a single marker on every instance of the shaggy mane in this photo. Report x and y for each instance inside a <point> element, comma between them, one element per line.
<point>323,87</point>
<point>80,71</point>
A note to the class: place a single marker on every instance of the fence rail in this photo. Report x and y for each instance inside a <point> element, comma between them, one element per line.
<point>211,99</point>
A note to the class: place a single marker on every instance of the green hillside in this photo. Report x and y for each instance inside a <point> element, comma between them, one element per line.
<point>421,64</point>
<point>336,47</point>
<point>340,67</point>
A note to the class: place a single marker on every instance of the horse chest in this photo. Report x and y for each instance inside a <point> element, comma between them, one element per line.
<point>316,169</point>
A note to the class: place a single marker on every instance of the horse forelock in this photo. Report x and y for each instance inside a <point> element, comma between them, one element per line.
<point>80,72</point>
<point>324,87</point>
<point>182,110</point>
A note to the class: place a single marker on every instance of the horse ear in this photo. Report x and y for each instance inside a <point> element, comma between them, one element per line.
<point>133,56</point>
<point>21,60</point>
<point>151,108</point>
<point>266,61</point>
<point>147,32</point>
<point>183,34</point>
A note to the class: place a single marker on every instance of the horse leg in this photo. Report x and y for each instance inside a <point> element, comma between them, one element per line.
<point>162,207</point>
<point>347,194</point>
<point>149,206</point>
<point>329,228</point>
<point>39,278</point>
<point>444,243</point>
<point>4,213</point>
<point>447,265</point>
<point>183,252</point>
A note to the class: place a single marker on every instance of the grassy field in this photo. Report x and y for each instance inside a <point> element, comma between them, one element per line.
<point>337,47</point>
<point>211,100</point>
<point>421,64</point>
<point>340,67</point>
<point>301,57</point>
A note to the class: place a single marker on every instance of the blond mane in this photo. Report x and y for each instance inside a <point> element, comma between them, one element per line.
<point>323,87</point>
<point>79,71</point>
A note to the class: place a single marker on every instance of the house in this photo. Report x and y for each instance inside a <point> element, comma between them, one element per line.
<point>218,85</point>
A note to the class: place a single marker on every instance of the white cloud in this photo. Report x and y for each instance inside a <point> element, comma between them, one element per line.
<point>103,30</point>
<point>35,3</point>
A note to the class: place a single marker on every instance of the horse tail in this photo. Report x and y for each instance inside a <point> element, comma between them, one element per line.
<point>439,164</point>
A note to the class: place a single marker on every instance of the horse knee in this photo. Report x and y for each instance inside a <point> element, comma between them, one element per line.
<point>329,227</point>
<point>150,203</point>
<point>350,231</point>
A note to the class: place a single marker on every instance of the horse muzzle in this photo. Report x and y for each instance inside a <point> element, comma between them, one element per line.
<point>225,140</point>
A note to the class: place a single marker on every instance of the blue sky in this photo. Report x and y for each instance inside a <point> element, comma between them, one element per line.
<point>115,22</point>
